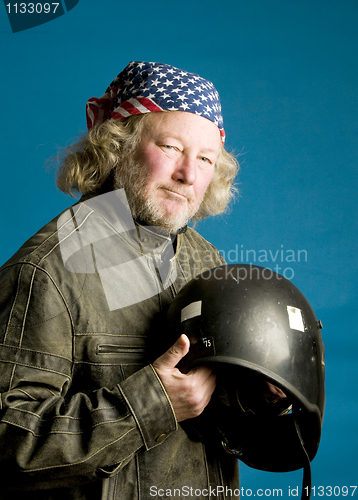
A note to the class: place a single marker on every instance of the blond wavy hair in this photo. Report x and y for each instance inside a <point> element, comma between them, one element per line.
<point>91,162</point>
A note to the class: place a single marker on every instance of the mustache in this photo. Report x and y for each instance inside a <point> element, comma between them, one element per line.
<point>177,190</point>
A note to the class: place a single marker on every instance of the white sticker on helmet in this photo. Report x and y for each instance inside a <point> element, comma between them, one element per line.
<point>295,318</point>
<point>190,311</point>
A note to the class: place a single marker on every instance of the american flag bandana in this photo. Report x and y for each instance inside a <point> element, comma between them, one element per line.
<point>146,87</point>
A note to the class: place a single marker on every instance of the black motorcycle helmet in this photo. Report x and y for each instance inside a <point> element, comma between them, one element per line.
<point>256,328</point>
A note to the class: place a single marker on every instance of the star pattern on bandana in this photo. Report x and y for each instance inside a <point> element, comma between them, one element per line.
<point>144,87</point>
<point>164,84</point>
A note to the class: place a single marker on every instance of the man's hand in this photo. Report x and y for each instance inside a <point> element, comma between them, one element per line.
<point>273,392</point>
<point>190,392</point>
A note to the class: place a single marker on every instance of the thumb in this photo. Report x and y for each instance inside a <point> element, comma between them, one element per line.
<point>174,354</point>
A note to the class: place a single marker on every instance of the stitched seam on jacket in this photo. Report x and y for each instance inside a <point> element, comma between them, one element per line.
<point>23,324</point>
<point>115,486</point>
<point>132,412</point>
<point>69,416</point>
<point>72,433</point>
<point>27,306</point>
<point>13,304</point>
<point>168,402</point>
<point>138,477</point>
<point>24,349</point>
<point>51,236</point>
<point>165,393</point>
<point>28,395</point>
<point>37,368</point>
<point>39,268</point>
<point>65,238</point>
<point>82,461</point>
<point>39,247</point>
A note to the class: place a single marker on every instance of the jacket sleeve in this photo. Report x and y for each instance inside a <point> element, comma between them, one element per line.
<point>51,434</point>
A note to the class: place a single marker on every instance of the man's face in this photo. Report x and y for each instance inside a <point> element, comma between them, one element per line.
<point>176,154</point>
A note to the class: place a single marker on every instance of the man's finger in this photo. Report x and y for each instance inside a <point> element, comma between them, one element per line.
<point>273,391</point>
<point>173,355</point>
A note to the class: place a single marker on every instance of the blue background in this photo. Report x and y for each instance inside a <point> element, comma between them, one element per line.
<point>287,74</point>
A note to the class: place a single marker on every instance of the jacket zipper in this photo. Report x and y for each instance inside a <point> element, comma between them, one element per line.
<point>116,349</point>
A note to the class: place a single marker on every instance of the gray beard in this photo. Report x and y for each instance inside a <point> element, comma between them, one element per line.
<point>134,180</point>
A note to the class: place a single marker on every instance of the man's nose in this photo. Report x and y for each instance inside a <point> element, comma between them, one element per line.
<point>186,170</point>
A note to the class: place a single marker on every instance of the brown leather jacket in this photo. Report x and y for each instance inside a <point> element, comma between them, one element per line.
<point>83,415</point>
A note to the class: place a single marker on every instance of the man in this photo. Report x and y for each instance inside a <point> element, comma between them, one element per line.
<point>90,406</point>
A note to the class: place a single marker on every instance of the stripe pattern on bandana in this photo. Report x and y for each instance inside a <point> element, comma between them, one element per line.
<point>146,87</point>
